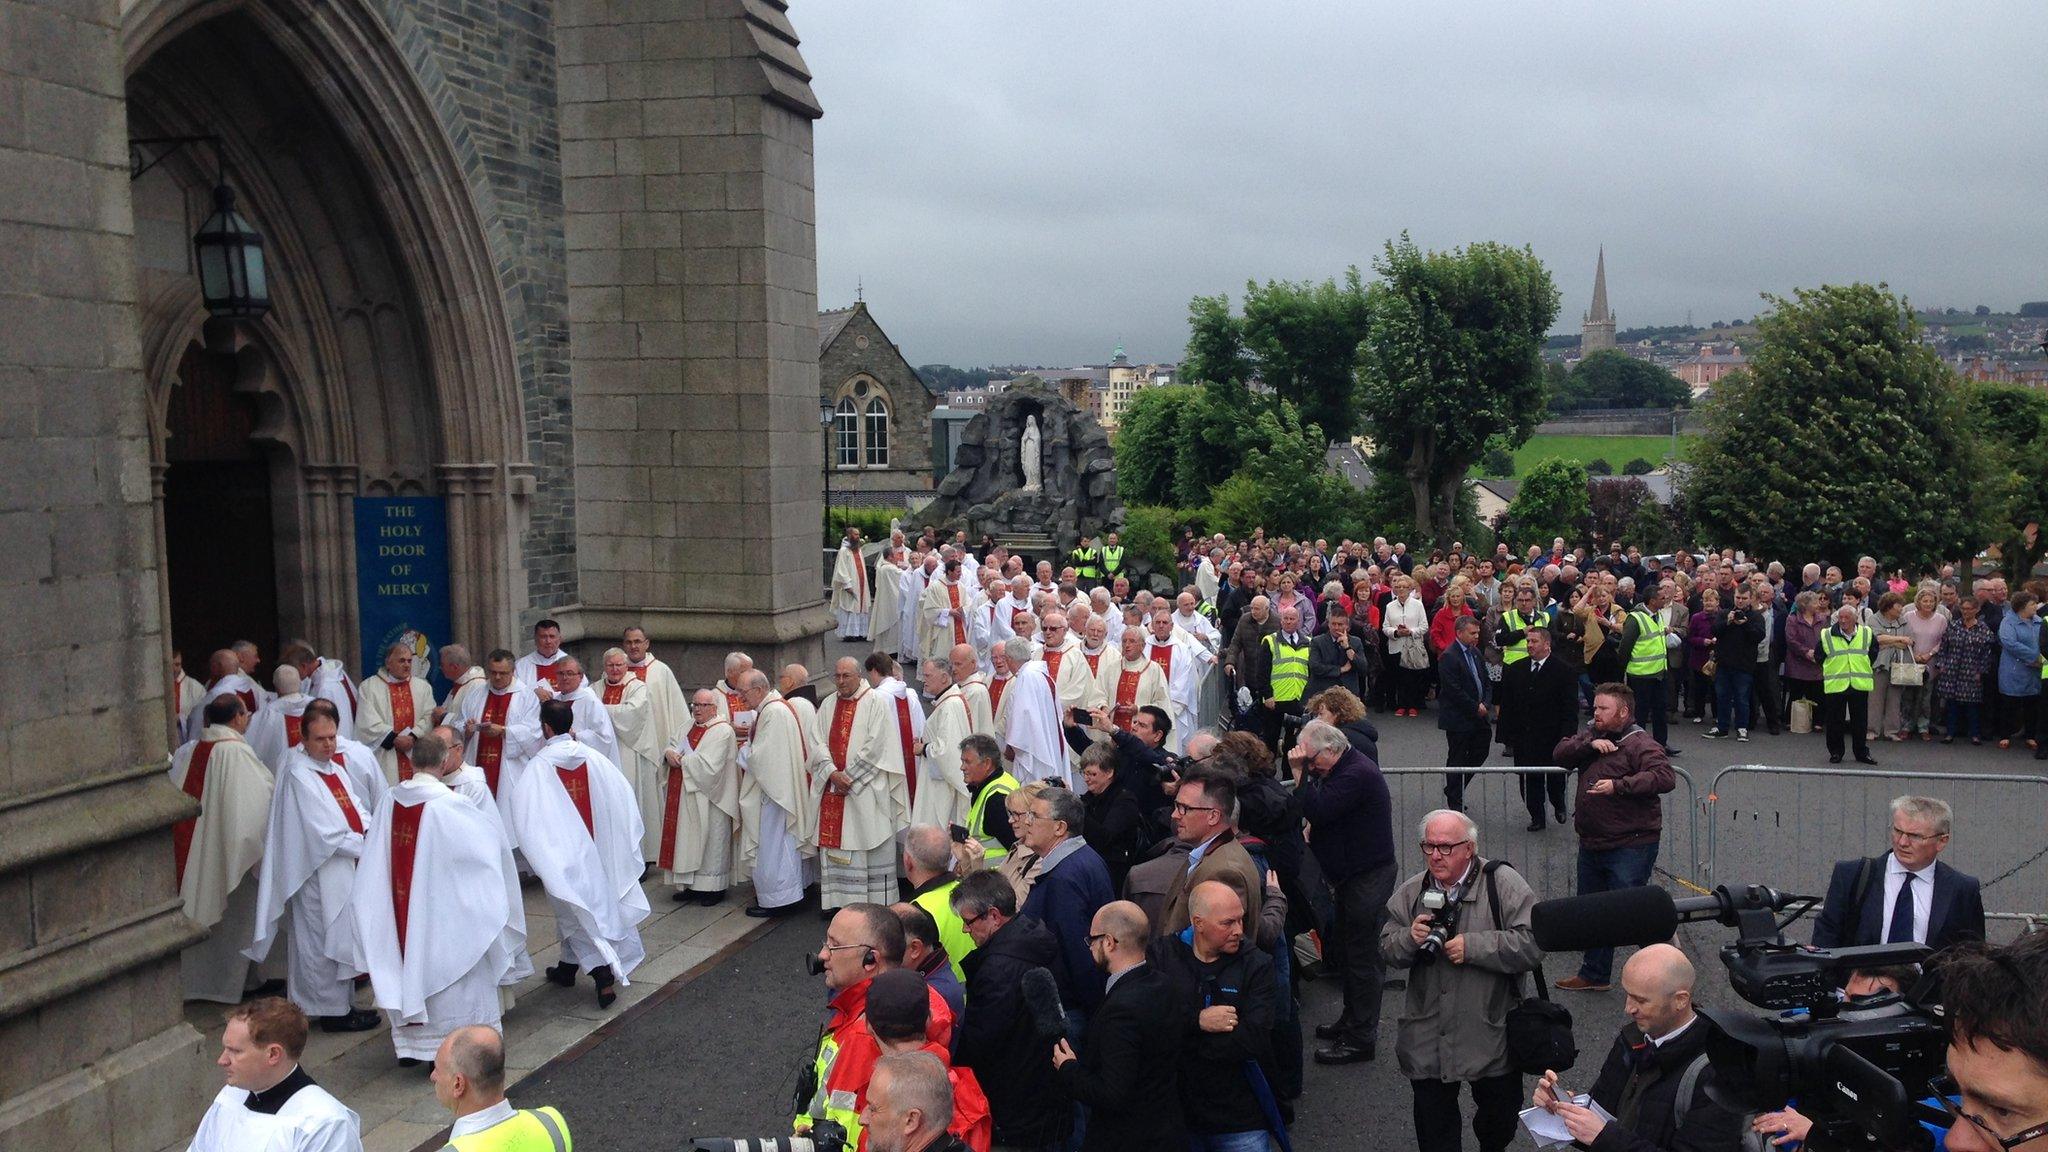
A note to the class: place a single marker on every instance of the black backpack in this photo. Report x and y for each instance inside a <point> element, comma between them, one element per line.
<point>1539,1029</point>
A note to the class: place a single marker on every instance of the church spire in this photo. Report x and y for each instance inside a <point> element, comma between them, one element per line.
<point>1599,311</point>
<point>1597,331</point>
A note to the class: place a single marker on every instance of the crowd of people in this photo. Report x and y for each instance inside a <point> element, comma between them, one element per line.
<point>1067,837</point>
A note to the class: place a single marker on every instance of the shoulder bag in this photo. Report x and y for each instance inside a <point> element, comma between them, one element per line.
<point>1539,1029</point>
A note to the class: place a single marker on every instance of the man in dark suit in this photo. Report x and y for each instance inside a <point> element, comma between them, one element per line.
<point>1539,706</point>
<point>1906,894</point>
<point>1463,696</point>
<point>1126,1074</point>
<point>1336,659</point>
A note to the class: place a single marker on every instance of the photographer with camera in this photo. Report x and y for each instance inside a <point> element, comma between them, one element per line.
<point>1143,765</point>
<point>1658,1056</point>
<point>1868,992</point>
<point>861,942</point>
<point>1453,1028</point>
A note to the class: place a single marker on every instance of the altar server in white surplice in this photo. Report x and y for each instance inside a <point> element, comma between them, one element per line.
<point>855,792</point>
<point>218,851</point>
<point>393,710</point>
<point>437,910</point>
<point>906,713</point>
<point>700,803</point>
<point>593,719</point>
<point>909,635</point>
<point>579,829</point>
<point>500,728</point>
<point>270,1104</point>
<point>1033,739</point>
<point>941,795</point>
<point>852,597</point>
<point>776,811</point>
<point>631,711</point>
<point>275,729</point>
<point>309,873</point>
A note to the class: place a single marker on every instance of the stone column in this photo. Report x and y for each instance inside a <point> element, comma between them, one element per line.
<point>686,165</point>
<point>94,1051</point>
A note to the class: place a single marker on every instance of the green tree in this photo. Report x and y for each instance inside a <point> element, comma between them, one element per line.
<point>1650,529</point>
<point>1284,486</point>
<point>1637,466</point>
<point>1147,443</point>
<point>1612,378</point>
<point>2011,422</point>
<point>1450,361</point>
<point>1551,502</point>
<point>1498,463</point>
<point>1300,340</point>
<point>1598,466</point>
<point>1845,436</point>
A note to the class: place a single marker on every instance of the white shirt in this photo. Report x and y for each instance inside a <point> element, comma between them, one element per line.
<point>1923,897</point>
<point>1675,1033</point>
<point>478,1121</point>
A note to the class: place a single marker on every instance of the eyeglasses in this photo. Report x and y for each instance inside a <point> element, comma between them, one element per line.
<point>1944,1089</point>
<point>1094,936</point>
<point>1914,837</point>
<point>1431,849</point>
<point>1180,809</point>
<point>978,917</point>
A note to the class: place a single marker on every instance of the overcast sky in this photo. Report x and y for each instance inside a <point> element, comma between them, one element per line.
<point>1039,181</point>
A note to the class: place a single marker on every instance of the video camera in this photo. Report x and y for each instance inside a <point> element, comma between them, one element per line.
<point>1857,1074</point>
<point>826,1136</point>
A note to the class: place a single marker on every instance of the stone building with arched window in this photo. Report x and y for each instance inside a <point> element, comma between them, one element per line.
<point>879,443</point>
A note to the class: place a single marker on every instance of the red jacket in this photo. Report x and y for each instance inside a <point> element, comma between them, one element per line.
<point>855,1064</point>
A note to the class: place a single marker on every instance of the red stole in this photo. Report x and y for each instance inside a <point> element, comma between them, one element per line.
<point>405,837</point>
<point>248,700</point>
<point>860,573</point>
<point>401,721</point>
<point>349,690</point>
<point>1094,661</point>
<point>1162,655</point>
<point>736,703</point>
<point>672,811</point>
<point>576,782</point>
<point>195,784</point>
<point>1127,696</point>
<point>639,670</point>
<point>614,693</point>
<point>995,693</point>
<point>340,794</point>
<point>292,736</point>
<point>832,808</point>
<point>1052,665</point>
<point>959,623</point>
<point>906,740</point>
<point>490,750</point>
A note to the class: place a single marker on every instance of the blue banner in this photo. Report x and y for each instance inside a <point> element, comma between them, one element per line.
<point>402,580</point>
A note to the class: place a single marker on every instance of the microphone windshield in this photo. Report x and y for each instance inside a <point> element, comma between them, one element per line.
<point>1042,1000</point>
<point>1605,920</point>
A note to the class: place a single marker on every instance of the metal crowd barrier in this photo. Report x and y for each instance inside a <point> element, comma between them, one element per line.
<point>1547,859</point>
<point>1797,822</point>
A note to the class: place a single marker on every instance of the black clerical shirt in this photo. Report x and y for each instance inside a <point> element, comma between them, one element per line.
<point>272,1098</point>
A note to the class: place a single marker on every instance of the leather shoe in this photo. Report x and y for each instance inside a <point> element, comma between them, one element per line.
<point>1536,824</point>
<point>1834,759</point>
<point>1330,1031</point>
<point>563,974</point>
<point>602,977</point>
<point>1342,1053</point>
<point>760,913</point>
<point>1871,760</point>
<point>1577,983</point>
<point>360,1020</point>
<point>1561,816</point>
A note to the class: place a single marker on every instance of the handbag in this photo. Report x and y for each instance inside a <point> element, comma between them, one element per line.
<point>1539,1029</point>
<point>1800,719</point>
<point>1908,674</point>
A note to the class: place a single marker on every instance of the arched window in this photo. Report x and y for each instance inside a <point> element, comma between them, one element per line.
<point>877,433</point>
<point>846,434</point>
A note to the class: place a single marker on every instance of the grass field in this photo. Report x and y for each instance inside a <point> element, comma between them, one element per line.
<point>1616,450</point>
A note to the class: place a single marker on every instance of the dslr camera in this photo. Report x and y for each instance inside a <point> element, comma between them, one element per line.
<point>1442,908</point>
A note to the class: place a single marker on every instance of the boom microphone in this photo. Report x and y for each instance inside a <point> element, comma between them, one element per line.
<point>1613,919</point>
<point>1042,1001</point>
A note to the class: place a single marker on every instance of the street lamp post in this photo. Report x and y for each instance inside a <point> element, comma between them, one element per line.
<point>826,411</point>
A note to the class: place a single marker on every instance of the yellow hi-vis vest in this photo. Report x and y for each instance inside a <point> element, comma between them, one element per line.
<point>1112,560</point>
<point>992,850</point>
<point>1519,651</point>
<point>1289,676</point>
<point>1647,657</point>
<point>1845,664</point>
<point>952,933</point>
<point>528,1130</point>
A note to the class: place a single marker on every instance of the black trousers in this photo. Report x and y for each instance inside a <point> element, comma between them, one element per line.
<point>1361,909</point>
<point>1270,718</point>
<point>1463,750</point>
<point>1539,787</point>
<point>1770,696</point>
<point>1848,712</point>
<point>1650,705</point>
<point>1498,1100</point>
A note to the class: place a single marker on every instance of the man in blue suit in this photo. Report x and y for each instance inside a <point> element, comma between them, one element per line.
<point>1463,709</point>
<point>1906,894</point>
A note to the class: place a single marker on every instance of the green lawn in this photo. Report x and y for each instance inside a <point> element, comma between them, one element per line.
<point>1616,450</point>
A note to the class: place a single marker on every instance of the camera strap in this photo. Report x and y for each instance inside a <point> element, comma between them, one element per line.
<point>1493,902</point>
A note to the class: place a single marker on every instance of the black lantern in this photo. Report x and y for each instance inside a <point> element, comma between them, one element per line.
<point>232,280</point>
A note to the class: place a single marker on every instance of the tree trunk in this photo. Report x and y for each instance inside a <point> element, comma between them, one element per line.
<point>1445,522</point>
<point>1421,455</point>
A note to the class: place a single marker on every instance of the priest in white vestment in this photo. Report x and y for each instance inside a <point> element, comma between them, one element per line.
<point>323,679</point>
<point>664,693</point>
<point>855,793</point>
<point>776,811</point>
<point>536,669</point>
<point>906,712</point>
<point>184,692</point>
<point>1071,674</point>
<point>885,620</point>
<point>852,597</point>
<point>949,611</point>
<point>699,804</point>
<point>1095,651</point>
<point>1034,738</point>
<point>593,720</point>
<point>579,829</point>
<point>909,628</point>
<point>224,675</point>
<point>392,710</point>
<point>1209,575</point>
<point>1188,618</point>
<point>981,711</point>
<point>1131,681</point>
<point>467,781</point>
<point>437,910</point>
<point>942,795</point>
<point>308,873</point>
<point>500,729</point>
<point>275,729</point>
<point>732,696</point>
<point>216,853</point>
<point>269,1103</point>
<point>464,680</point>
<point>1183,663</point>
<point>630,708</point>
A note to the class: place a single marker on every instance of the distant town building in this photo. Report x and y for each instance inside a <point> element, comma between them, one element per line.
<point>1709,365</point>
<point>1597,331</point>
<point>1996,370</point>
<point>970,399</point>
<point>880,445</point>
<point>1125,381</point>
